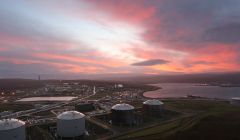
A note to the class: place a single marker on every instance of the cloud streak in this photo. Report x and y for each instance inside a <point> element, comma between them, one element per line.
<point>151,62</point>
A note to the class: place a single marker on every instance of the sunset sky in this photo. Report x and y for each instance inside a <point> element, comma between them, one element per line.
<point>77,37</point>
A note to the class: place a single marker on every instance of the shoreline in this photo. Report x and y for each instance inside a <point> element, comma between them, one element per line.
<point>155,88</point>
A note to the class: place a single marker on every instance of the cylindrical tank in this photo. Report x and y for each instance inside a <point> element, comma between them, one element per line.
<point>12,129</point>
<point>70,124</point>
<point>122,114</point>
<point>153,107</point>
<point>235,101</point>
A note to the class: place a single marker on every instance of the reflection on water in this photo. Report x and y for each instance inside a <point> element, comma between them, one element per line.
<point>184,89</point>
<point>32,99</point>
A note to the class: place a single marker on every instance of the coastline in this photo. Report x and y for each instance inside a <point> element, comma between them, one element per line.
<point>188,97</point>
<point>154,88</point>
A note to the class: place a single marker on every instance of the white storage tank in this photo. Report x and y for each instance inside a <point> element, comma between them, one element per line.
<point>122,114</point>
<point>153,107</point>
<point>70,124</point>
<point>235,101</point>
<point>12,129</point>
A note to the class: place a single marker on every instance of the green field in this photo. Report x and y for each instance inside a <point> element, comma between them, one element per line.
<point>202,120</point>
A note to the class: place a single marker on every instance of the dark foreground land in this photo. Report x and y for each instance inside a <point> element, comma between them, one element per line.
<point>202,120</point>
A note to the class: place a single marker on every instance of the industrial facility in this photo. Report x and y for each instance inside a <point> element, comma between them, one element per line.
<point>235,101</point>
<point>53,111</point>
<point>85,107</point>
<point>153,107</point>
<point>12,129</point>
<point>122,114</point>
<point>70,124</point>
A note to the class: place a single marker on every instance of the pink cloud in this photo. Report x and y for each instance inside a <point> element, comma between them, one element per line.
<point>71,58</point>
<point>130,11</point>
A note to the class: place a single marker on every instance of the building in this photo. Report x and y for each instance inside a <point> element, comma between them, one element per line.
<point>122,114</point>
<point>12,129</point>
<point>85,107</point>
<point>153,108</point>
<point>70,124</point>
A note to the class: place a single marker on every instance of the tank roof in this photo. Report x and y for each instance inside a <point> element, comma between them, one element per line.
<point>153,102</point>
<point>236,98</point>
<point>7,124</point>
<point>122,107</point>
<point>70,115</point>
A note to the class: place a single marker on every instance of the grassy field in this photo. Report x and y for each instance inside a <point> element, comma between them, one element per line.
<point>203,120</point>
<point>38,133</point>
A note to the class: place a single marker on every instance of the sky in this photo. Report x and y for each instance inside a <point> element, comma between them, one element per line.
<point>91,37</point>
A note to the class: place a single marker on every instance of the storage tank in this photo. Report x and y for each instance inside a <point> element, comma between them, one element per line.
<point>235,101</point>
<point>70,124</point>
<point>153,107</point>
<point>122,114</point>
<point>12,129</point>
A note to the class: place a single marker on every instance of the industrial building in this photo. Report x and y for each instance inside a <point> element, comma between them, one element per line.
<point>85,107</point>
<point>12,129</point>
<point>122,114</point>
<point>235,101</point>
<point>153,107</point>
<point>70,124</point>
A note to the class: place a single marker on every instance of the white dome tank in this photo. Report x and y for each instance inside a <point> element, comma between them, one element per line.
<point>122,107</point>
<point>70,124</point>
<point>12,129</point>
<point>122,114</point>
<point>153,108</point>
<point>153,102</point>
